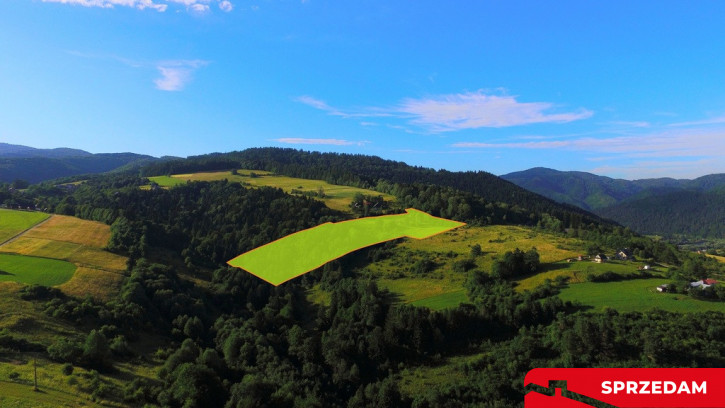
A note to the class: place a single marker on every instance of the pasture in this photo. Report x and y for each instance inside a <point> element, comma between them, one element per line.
<point>335,197</point>
<point>578,271</point>
<point>33,270</point>
<point>14,222</point>
<point>442,287</point>
<point>80,243</point>
<point>635,295</point>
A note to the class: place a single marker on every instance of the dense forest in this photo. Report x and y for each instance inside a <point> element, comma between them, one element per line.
<point>369,172</point>
<point>676,214</point>
<point>236,341</point>
<point>664,206</point>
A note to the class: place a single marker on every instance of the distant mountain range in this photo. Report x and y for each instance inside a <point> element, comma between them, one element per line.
<point>662,206</point>
<point>36,165</point>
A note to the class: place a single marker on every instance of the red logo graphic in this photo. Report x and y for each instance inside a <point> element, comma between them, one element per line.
<point>625,387</point>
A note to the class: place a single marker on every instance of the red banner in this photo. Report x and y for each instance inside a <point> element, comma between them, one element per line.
<point>625,387</point>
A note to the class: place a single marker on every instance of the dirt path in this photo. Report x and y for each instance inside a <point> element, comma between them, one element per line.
<point>16,236</point>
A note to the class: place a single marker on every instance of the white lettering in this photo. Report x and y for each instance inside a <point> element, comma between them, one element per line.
<point>606,387</point>
<point>683,388</point>
<point>701,388</point>
<point>644,389</point>
<point>670,387</point>
<point>653,387</point>
<point>631,387</point>
<point>618,386</point>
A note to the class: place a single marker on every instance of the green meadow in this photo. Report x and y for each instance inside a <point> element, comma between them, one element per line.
<point>14,222</point>
<point>335,197</point>
<point>32,270</point>
<point>635,295</point>
<point>441,285</point>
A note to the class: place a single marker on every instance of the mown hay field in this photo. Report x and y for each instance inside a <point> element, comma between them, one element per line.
<point>14,222</point>
<point>335,196</point>
<point>81,243</point>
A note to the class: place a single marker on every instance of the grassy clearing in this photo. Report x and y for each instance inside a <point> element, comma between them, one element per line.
<point>26,320</point>
<point>577,272</point>
<point>443,286</point>
<point>719,258</point>
<point>70,229</point>
<point>57,389</point>
<point>32,270</point>
<point>14,222</point>
<point>336,197</point>
<point>635,295</point>
<point>443,301</point>
<point>81,242</point>
<point>448,372</point>
<point>100,284</point>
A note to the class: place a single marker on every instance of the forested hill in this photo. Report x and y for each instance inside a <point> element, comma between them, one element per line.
<point>35,165</point>
<point>688,213</point>
<point>371,172</point>
<point>662,206</point>
<point>592,192</point>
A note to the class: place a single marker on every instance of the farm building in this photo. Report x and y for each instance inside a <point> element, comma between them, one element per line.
<point>663,288</point>
<point>702,284</point>
<point>625,255</point>
<point>600,258</point>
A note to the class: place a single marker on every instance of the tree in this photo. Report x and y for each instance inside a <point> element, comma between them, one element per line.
<point>96,352</point>
<point>476,250</point>
<point>20,184</point>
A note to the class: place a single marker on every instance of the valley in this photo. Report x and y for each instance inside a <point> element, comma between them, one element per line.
<point>149,286</point>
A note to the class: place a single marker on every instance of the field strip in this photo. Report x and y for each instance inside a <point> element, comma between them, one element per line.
<point>432,296</point>
<point>49,397</point>
<point>16,236</point>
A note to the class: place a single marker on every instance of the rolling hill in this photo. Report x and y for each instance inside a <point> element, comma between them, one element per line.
<point>36,165</point>
<point>662,206</point>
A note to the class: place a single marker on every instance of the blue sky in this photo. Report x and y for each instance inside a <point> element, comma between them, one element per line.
<point>623,89</point>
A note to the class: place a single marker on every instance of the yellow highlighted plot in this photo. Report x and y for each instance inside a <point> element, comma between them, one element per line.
<point>304,251</point>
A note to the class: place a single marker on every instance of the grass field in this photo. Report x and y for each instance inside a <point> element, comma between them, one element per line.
<point>443,287</point>
<point>80,242</point>
<point>32,270</point>
<point>577,272</point>
<point>306,250</point>
<point>336,197</point>
<point>635,295</point>
<point>449,371</point>
<point>14,222</point>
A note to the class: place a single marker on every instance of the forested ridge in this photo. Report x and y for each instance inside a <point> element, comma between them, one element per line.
<point>369,172</point>
<point>674,214</point>
<point>664,206</point>
<point>236,341</point>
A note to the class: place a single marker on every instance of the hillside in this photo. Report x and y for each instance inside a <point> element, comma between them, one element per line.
<point>662,206</point>
<point>457,318</point>
<point>36,165</point>
<point>18,151</point>
<point>675,214</point>
<point>372,172</point>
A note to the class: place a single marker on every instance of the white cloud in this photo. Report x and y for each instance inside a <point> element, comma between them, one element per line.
<point>334,142</point>
<point>160,5</point>
<point>176,74</point>
<point>477,110</point>
<point>684,143</point>
<point>445,113</point>
<point>226,6</point>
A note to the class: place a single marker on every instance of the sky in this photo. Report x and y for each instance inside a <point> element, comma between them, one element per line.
<point>626,89</point>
